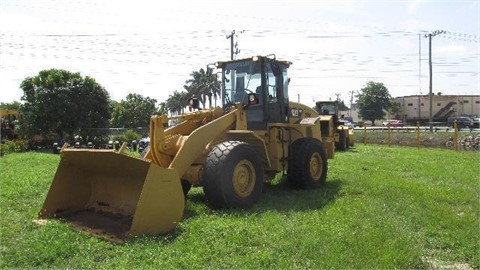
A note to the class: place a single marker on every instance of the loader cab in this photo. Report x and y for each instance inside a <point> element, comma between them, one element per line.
<point>259,83</point>
<point>328,108</point>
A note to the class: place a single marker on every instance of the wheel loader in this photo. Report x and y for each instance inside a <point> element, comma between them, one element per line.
<point>230,151</point>
<point>343,135</point>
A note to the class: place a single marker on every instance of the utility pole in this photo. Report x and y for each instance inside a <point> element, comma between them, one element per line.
<point>338,97</point>
<point>430,35</point>
<point>233,45</point>
<point>419,74</point>
<point>351,102</point>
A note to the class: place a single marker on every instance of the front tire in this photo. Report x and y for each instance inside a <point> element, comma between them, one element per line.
<point>307,164</point>
<point>233,175</point>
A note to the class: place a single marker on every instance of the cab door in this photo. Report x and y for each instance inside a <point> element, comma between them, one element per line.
<point>277,88</point>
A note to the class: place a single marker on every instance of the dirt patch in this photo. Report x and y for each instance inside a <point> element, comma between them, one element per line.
<point>437,264</point>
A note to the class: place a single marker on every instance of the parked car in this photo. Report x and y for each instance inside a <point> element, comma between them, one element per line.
<point>393,123</point>
<point>358,123</point>
<point>142,144</point>
<point>346,123</point>
<point>476,122</point>
<point>462,121</point>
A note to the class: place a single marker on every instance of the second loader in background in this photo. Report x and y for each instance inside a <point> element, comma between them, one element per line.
<point>230,151</point>
<point>340,131</point>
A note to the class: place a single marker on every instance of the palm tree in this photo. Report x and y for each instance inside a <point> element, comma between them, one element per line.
<point>203,86</point>
<point>195,86</point>
<point>162,108</point>
<point>214,85</point>
<point>176,102</point>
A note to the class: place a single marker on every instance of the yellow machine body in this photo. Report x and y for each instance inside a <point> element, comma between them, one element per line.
<point>342,134</point>
<point>113,195</point>
<point>117,196</point>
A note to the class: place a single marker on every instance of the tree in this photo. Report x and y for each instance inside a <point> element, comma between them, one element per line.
<point>62,102</point>
<point>118,113</point>
<point>177,101</point>
<point>203,86</point>
<point>135,111</point>
<point>396,109</point>
<point>162,108</point>
<point>10,120</point>
<point>372,100</point>
<point>10,105</point>
<point>342,106</point>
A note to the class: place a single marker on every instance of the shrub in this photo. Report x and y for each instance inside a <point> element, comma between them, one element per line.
<point>128,136</point>
<point>14,147</point>
<point>131,135</point>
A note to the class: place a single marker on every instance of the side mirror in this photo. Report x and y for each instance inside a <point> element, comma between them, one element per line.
<point>252,99</point>
<point>193,104</point>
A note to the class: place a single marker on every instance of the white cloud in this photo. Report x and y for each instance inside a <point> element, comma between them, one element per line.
<point>19,22</point>
<point>458,49</point>
<point>415,5</point>
<point>334,45</point>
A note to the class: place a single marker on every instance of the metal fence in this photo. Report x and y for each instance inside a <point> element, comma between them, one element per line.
<point>445,137</point>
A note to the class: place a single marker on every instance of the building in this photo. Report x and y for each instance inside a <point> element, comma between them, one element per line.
<point>417,107</point>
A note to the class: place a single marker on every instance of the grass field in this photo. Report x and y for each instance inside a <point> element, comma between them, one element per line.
<point>382,207</point>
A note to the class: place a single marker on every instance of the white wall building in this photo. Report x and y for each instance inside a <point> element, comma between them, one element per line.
<point>417,108</point>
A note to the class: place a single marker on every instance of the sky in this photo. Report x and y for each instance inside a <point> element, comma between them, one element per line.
<point>151,47</point>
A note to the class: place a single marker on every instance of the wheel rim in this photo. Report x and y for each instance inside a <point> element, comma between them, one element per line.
<point>316,167</point>
<point>244,178</point>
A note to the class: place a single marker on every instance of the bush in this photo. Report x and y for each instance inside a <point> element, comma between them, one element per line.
<point>14,147</point>
<point>128,136</point>
<point>131,135</point>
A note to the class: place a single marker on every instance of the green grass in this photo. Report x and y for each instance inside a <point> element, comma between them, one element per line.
<point>383,207</point>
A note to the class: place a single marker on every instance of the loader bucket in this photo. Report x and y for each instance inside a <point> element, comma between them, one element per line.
<point>113,195</point>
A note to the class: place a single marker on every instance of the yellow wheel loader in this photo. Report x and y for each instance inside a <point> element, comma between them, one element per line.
<point>230,151</point>
<point>343,134</point>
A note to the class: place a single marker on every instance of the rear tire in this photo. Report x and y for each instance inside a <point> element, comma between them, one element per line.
<point>341,145</point>
<point>233,175</point>
<point>307,164</point>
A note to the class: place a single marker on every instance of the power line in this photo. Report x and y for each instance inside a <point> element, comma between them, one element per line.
<point>461,36</point>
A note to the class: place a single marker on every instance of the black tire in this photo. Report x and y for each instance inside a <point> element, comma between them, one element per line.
<point>233,175</point>
<point>307,164</point>
<point>341,145</point>
<point>186,186</point>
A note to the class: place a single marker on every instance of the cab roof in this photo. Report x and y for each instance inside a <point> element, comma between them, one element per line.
<point>271,57</point>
